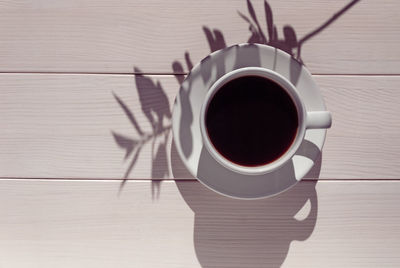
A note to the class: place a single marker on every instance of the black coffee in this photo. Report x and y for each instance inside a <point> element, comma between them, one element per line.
<point>251,121</point>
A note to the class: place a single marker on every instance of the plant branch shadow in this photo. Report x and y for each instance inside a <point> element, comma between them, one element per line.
<point>156,113</point>
<point>227,232</point>
<point>290,42</point>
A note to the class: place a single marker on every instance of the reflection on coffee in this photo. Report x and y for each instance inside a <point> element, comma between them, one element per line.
<point>251,121</point>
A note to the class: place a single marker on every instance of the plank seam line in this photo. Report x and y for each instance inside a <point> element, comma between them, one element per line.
<point>168,73</point>
<point>180,179</point>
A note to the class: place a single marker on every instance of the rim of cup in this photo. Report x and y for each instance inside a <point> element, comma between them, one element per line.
<point>286,85</point>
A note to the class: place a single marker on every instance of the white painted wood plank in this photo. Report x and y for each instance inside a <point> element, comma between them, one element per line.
<point>87,224</point>
<point>62,126</point>
<point>363,141</point>
<point>113,36</point>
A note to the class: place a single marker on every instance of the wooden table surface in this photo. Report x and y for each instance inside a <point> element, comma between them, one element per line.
<point>85,181</point>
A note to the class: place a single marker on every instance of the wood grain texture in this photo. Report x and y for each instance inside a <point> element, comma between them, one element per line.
<point>88,224</point>
<point>113,36</point>
<point>100,123</point>
<point>75,126</point>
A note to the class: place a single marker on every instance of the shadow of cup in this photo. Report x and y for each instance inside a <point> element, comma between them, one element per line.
<point>247,233</point>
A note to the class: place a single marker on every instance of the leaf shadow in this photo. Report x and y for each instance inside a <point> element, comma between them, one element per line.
<point>156,113</point>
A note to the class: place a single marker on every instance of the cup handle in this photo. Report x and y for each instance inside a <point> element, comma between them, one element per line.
<point>318,119</point>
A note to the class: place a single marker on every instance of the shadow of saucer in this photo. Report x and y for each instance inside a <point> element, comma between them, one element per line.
<point>248,233</point>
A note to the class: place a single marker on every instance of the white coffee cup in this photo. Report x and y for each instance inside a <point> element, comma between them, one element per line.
<point>306,120</point>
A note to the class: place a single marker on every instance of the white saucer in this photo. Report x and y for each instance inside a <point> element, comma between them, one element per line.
<point>186,125</point>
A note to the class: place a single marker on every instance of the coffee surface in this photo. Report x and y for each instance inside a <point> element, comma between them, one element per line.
<point>251,121</point>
